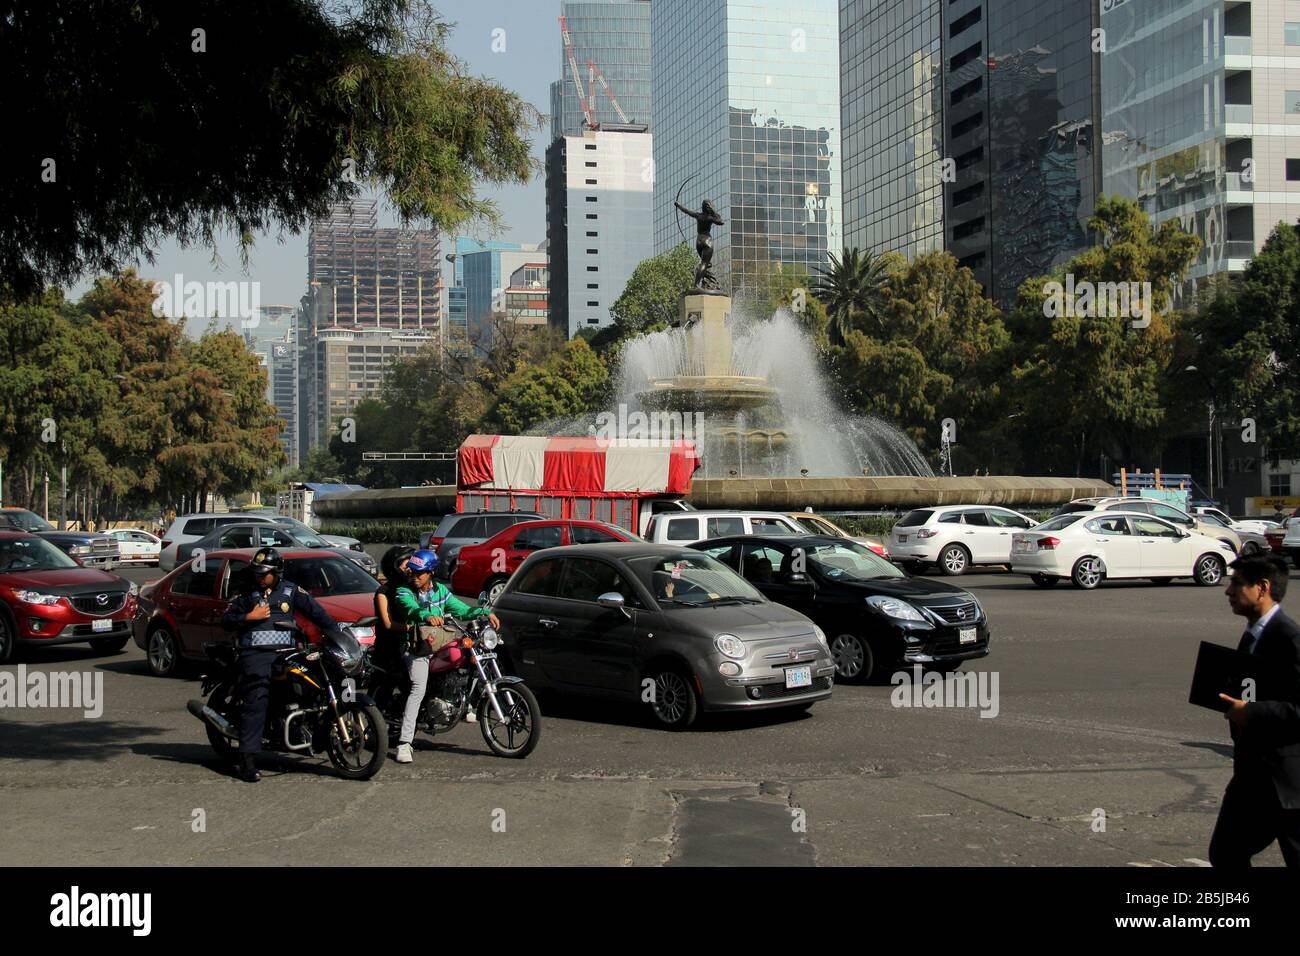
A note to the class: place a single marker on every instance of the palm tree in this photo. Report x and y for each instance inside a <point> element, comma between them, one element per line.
<point>853,289</point>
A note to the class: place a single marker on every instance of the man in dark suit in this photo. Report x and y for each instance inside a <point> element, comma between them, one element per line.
<point>1262,802</point>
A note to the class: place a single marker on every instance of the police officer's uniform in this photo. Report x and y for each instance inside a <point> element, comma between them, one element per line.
<point>258,642</point>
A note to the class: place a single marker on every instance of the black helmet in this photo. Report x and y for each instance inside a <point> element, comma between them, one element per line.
<point>393,557</point>
<point>267,561</point>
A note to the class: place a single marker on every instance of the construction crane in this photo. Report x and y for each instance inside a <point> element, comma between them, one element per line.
<point>607,91</point>
<point>588,109</point>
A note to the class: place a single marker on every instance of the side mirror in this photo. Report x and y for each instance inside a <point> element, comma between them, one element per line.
<point>798,579</point>
<point>611,600</point>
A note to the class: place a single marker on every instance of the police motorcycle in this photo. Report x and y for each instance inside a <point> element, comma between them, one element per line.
<point>315,705</point>
<point>465,683</point>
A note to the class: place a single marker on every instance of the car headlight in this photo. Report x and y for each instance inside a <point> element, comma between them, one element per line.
<point>821,638</point>
<point>489,638</point>
<point>38,598</point>
<point>357,547</point>
<point>133,589</point>
<point>895,609</point>
<point>79,549</point>
<point>730,645</point>
<point>362,633</point>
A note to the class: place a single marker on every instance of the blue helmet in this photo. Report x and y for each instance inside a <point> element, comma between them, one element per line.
<point>422,560</point>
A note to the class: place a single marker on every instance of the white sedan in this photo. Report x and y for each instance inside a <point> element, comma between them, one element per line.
<point>1091,546</point>
<point>136,546</point>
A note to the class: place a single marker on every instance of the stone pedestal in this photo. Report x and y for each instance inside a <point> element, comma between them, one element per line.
<point>706,317</point>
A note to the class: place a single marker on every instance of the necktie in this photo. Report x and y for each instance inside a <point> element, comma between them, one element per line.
<point>1247,641</point>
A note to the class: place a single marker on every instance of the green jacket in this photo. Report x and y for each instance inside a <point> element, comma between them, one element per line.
<point>418,605</point>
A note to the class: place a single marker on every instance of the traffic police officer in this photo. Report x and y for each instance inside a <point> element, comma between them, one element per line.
<point>254,615</point>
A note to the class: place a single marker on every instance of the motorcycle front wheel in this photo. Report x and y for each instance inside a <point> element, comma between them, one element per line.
<point>222,701</point>
<point>519,733</point>
<point>361,756</point>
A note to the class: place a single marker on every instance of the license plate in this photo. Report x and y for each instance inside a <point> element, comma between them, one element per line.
<point>967,635</point>
<point>902,538</point>
<point>1022,546</point>
<point>798,677</point>
<point>103,624</point>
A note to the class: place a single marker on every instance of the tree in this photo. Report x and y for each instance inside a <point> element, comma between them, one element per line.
<point>569,383</point>
<point>855,290</point>
<point>1097,380</point>
<point>651,300</point>
<point>141,120</point>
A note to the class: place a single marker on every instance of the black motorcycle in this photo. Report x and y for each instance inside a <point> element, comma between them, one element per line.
<point>315,704</point>
<point>464,679</point>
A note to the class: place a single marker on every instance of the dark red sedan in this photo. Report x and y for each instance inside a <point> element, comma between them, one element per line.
<point>180,613</point>
<point>48,598</point>
<point>482,570</point>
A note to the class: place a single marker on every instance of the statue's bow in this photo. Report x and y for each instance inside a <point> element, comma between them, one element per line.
<point>677,216</point>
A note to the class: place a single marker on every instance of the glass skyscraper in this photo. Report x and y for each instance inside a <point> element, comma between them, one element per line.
<point>892,78</point>
<point>747,115</point>
<point>615,36</point>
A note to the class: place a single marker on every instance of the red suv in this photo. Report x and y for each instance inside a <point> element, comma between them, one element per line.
<point>48,598</point>
<point>482,570</point>
<point>182,612</point>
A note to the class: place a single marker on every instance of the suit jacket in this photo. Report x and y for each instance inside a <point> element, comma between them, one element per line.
<point>1268,744</point>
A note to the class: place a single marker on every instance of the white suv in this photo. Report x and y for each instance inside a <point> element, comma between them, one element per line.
<point>688,527</point>
<point>956,537</point>
<point>187,529</point>
<point>1291,542</point>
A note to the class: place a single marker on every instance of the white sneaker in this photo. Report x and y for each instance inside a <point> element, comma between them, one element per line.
<point>404,754</point>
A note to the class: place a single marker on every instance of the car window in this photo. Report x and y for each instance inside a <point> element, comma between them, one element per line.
<point>726,553</point>
<point>691,580</point>
<point>650,529</point>
<point>1170,514</point>
<point>329,575</point>
<point>236,538</point>
<point>275,538</point>
<point>684,529</point>
<point>232,519</point>
<point>1060,521</point>
<point>234,579</point>
<point>774,526</point>
<point>542,578</point>
<point>196,583</point>
<point>586,579</point>
<point>1005,519</point>
<point>950,517</point>
<point>534,539</point>
<point>915,518</point>
<point>761,563</point>
<point>198,526</point>
<point>1115,525</point>
<point>977,518</point>
<point>1140,506</point>
<point>32,554</point>
<point>1149,527</point>
<point>723,527</point>
<point>581,534</point>
<point>849,561</point>
<point>141,537</point>
<point>495,524</point>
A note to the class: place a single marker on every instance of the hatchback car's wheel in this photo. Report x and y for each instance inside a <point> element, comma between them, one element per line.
<point>163,652</point>
<point>1249,549</point>
<point>1209,570</point>
<point>675,703</point>
<point>1045,580</point>
<point>109,645</point>
<point>6,639</point>
<point>1087,573</point>
<point>954,560</point>
<point>492,590</point>
<point>853,658</point>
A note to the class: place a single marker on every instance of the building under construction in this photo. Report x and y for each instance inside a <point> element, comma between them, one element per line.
<point>365,277</point>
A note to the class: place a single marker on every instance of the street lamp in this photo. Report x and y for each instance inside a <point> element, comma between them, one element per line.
<point>1209,443</point>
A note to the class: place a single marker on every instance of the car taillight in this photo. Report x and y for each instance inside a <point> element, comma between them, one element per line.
<point>165,545</point>
<point>436,543</point>
<point>1048,544</point>
<point>926,533</point>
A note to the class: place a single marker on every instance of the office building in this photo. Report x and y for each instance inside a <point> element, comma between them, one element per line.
<point>273,337</point>
<point>486,274</point>
<point>747,115</point>
<point>457,296</point>
<point>599,207</point>
<point>610,43</point>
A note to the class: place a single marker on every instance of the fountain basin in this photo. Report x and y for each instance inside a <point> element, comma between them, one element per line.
<point>708,393</point>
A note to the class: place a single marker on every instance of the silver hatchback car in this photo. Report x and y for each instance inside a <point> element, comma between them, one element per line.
<point>662,626</point>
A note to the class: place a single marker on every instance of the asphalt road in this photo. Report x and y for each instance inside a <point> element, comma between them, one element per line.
<point>1092,721</point>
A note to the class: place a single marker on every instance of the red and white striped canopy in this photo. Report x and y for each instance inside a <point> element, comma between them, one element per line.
<point>576,466</point>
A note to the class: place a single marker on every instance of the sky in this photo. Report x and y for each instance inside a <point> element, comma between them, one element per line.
<point>528,63</point>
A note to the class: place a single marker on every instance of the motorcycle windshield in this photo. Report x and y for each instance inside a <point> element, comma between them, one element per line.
<point>342,648</point>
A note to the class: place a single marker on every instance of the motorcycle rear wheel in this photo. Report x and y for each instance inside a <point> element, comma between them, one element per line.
<point>363,756</point>
<point>517,737</point>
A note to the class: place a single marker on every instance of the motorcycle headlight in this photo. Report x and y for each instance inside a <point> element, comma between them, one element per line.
<point>730,645</point>
<point>37,597</point>
<point>362,633</point>
<point>489,638</point>
<point>895,609</point>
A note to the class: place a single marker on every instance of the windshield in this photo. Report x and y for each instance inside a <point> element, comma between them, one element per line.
<point>692,581</point>
<point>849,561</point>
<point>305,536</point>
<point>1059,522</point>
<point>25,520</point>
<point>329,576</point>
<point>32,554</point>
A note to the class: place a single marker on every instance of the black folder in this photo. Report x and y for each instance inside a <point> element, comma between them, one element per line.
<point>1221,670</point>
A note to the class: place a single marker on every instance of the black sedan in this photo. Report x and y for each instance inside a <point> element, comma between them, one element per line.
<point>876,618</point>
<point>659,625</point>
